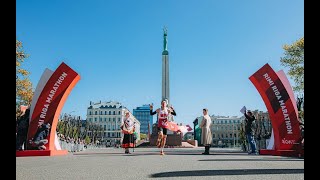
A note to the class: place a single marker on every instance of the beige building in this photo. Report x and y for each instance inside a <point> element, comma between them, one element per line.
<point>109,115</point>
<point>225,131</point>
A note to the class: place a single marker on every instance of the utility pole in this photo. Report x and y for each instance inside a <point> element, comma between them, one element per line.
<point>234,140</point>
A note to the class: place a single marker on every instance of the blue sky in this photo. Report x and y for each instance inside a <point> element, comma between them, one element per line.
<point>116,46</point>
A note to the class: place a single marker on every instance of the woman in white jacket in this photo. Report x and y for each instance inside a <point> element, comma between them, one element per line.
<point>206,136</point>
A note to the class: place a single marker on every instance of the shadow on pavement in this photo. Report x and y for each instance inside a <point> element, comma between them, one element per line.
<point>149,153</point>
<point>271,159</point>
<point>169,153</point>
<point>226,172</point>
<point>112,154</point>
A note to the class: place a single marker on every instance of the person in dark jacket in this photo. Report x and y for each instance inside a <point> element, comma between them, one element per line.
<point>22,130</point>
<point>248,130</point>
<point>40,138</point>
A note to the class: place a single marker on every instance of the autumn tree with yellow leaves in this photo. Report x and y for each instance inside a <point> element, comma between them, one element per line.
<point>294,60</point>
<point>24,92</point>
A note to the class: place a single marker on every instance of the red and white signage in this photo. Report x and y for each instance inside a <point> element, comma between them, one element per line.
<point>277,95</point>
<point>50,96</point>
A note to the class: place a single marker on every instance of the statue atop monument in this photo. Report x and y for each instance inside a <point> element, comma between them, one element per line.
<point>165,41</point>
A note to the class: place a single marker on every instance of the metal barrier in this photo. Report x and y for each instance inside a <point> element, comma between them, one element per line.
<point>75,147</point>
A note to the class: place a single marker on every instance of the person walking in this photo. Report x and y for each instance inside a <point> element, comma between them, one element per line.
<point>128,129</point>
<point>206,136</point>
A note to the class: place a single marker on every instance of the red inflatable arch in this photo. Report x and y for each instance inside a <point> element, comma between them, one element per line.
<point>49,98</point>
<point>278,97</point>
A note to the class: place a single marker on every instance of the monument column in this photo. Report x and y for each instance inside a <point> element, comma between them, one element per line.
<point>165,68</point>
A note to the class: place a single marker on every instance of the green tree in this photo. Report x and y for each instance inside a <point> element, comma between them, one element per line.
<point>143,136</point>
<point>87,140</point>
<point>294,60</point>
<point>242,137</point>
<point>24,91</point>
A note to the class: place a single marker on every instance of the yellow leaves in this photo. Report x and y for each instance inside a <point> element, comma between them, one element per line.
<point>24,91</point>
<point>299,44</point>
<point>23,72</point>
<point>294,60</point>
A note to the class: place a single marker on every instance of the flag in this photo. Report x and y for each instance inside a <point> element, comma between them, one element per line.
<point>189,128</point>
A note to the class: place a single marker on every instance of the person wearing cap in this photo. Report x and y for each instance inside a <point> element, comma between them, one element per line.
<point>248,130</point>
<point>163,118</point>
<point>128,129</point>
<point>206,136</point>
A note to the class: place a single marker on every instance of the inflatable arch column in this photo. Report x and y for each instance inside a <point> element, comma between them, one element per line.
<point>278,97</point>
<point>48,100</point>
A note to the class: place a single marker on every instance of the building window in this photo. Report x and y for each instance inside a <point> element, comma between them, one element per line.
<point>119,119</point>
<point>213,135</point>
<point>105,112</point>
<point>96,113</point>
<point>105,119</point>
<point>118,127</point>
<point>90,113</point>
<point>119,112</point>
<point>105,127</point>
<point>90,119</point>
<point>114,112</point>
<point>226,122</point>
<point>100,112</point>
<point>100,119</point>
<point>112,135</point>
<point>108,134</point>
<point>114,119</point>
<point>109,126</point>
<point>95,119</point>
<point>109,119</point>
<point>109,112</point>
<point>104,134</point>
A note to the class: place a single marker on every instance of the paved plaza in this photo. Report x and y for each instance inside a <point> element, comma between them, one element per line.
<point>146,163</point>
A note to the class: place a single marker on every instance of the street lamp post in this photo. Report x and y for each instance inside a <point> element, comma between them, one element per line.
<point>234,140</point>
